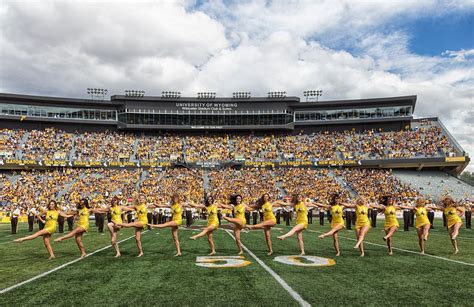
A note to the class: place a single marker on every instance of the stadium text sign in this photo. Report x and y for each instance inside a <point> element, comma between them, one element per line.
<point>206,106</point>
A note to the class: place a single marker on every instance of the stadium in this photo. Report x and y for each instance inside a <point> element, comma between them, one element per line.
<point>170,149</point>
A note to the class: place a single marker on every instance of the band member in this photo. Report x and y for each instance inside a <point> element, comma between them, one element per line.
<point>51,223</point>
<point>42,213</point>
<point>101,215</point>
<point>61,219</point>
<point>406,214</point>
<point>176,221</point>
<point>373,213</point>
<point>31,218</point>
<point>431,214</point>
<point>301,208</point>
<point>238,220</point>
<point>422,223</point>
<point>140,208</point>
<point>337,223</point>
<point>391,224</point>
<point>269,219</point>
<point>83,211</point>
<point>468,213</point>
<point>212,222</point>
<point>14,216</point>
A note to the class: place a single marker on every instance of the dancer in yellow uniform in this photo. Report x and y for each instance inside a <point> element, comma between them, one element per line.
<point>301,208</point>
<point>140,208</point>
<point>238,220</point>
<point>362,224</point>
<point>391,223</point>
<point>269,219</point>
<point>212,222</point>
<point>116,212</point>
<point>176,220</point>
<point>337,223</point>
<point>422,223</point>
<point>51,223</point>
<point>83,211</point>
<point>453,213</point>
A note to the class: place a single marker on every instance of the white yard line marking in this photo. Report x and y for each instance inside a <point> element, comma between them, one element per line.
<point>404,250</point>
<point>59,267</point>
<point>277,277</point>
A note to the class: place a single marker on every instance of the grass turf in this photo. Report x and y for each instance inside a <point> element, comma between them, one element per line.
<point>160,279</point>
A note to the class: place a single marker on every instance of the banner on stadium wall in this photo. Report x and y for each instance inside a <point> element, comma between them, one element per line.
<point>11,163</point>
<point>455,159</point>
<point>337,163</point>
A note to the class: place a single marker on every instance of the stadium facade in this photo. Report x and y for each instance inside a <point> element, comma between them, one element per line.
<point>188,115</point>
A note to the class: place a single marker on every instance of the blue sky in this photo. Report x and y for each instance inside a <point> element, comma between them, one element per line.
<point>436,34</point>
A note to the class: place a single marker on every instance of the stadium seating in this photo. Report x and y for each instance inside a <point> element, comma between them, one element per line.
<point>54,144</point>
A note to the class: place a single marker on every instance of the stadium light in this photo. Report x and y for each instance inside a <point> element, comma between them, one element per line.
<point>206,95</point>
<point>311,94</point>
<point>134,93</point>
<point>97,92</point>
<point>168,94</point>
<point>276,94</point>
<point>245,95</point>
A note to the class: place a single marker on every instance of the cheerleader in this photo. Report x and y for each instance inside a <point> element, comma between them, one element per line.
<point>337,223</point>
<point>301,208</point>
<point>176,221</point>
<point>453,214</point>
<point>422,223</point>
<point>212,222</point>
<point>51,223</point>
<point>83,211</point>
<point>238,220</point>
<point>269,219</point>
<point>391,223</point>
<point>140,208</point>
<point>362,224</point>
<point>115,211</point>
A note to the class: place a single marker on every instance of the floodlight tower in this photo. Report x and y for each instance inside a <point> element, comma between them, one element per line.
<point>312,95</point>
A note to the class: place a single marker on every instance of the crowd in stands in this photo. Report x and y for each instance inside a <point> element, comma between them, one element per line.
<point>50,143</point>
<point>374,183</point>
<point>100,146</point>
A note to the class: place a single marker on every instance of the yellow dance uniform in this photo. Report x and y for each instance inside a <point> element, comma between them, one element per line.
<point>84,218</point>
<point>336,213</point>
<point>51,221</point>
<point>177,214</point>
<point>116,214</point>
<point>267,210</point>
<point>142,214</point>
<point>362,218</point>
<point>390,218</point>
<point>421,217</point>
<point>239,213</point>
<point>452,216</point>
<point>301,214</point>
<point>212,219</point>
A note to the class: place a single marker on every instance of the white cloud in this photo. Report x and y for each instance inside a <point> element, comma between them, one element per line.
<point>61,48</point>
<point>459,55</point>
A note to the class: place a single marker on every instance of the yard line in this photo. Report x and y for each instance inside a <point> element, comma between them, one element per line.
<point>59,267</point>
<point>277,277</point>
<point>404,250</point>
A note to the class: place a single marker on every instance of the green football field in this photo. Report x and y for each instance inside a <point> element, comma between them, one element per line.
<point>158,278</point>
